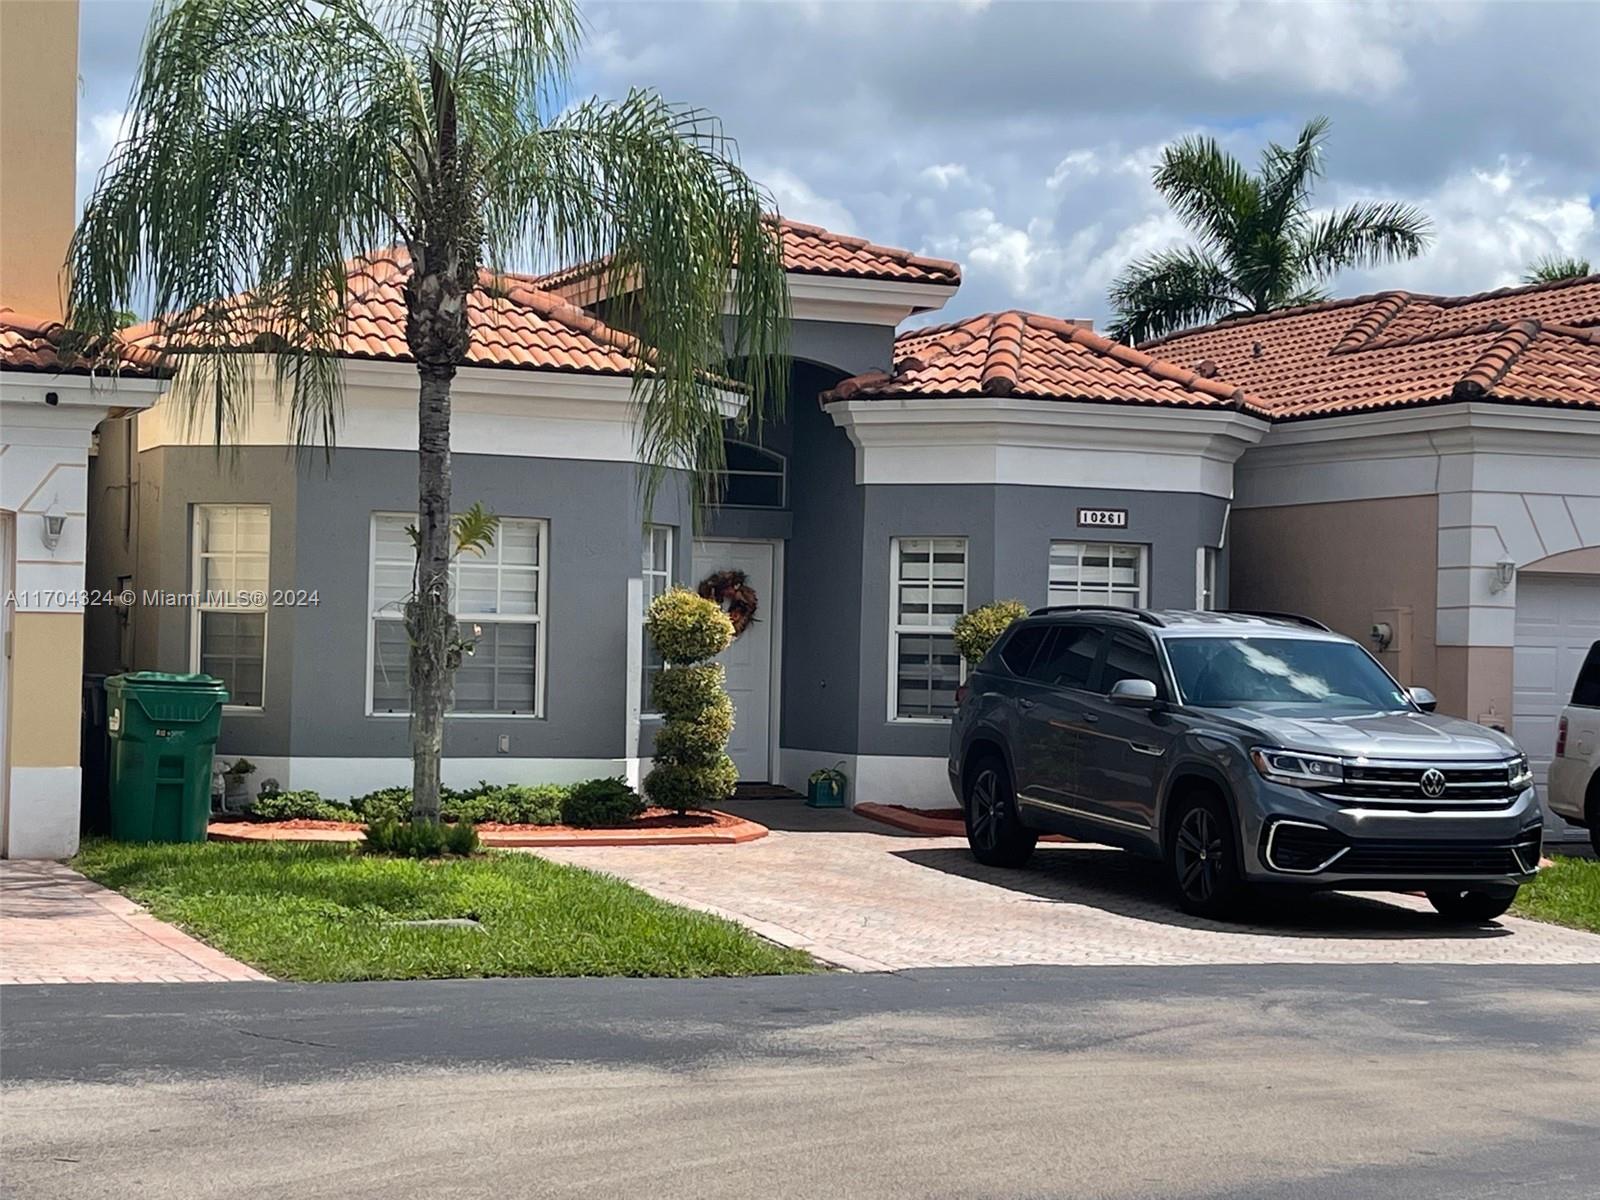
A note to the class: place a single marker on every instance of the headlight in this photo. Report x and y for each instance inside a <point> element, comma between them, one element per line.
<point>1518,773</point>
<point>1296,768</point>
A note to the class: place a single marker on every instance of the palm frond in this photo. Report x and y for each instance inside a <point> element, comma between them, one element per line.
<point>1362,235</point>
<point>1210,191</point>
<point>1165,292</point>
<point>1287,173</point>
<point>1553,268</point>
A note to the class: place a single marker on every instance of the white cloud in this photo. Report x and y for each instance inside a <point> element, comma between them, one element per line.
<point>799,202</point>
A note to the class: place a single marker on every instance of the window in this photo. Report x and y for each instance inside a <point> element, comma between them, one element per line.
<point>1205,577</point>
<point>1097,573</point>
<point>498,598</point>
<point>1586,689</point>
<point>1068,659</point>
<point>1021,646</point>
<point>657,579</point>
<point>228,635</point>
<point>755,478</point>
<point>930,592</point>
<point>1130,656</point>
<point>1281,675</point>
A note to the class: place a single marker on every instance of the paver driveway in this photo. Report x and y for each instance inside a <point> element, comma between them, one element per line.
<point>873,900</point>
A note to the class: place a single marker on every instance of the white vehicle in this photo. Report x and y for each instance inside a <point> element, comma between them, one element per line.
<point>1574,784</point>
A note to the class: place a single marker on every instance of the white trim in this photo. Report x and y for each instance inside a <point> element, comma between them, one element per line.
<point>538,619</point>
<point>42,812</point>
<point>863,301</point>
<point>897,628</point>
<point>197,587</point>
<point>1205,577</point>
<point>1046,443</point>
<point>522,414</point>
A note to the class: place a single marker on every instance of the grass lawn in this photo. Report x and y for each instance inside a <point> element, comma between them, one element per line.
<point>1566,894</point>
<point>325,912</point>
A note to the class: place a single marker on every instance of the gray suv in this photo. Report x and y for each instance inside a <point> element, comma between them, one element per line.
<point>1239,749</point>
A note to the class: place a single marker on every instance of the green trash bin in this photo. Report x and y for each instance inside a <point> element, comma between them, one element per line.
<point>163,733</point>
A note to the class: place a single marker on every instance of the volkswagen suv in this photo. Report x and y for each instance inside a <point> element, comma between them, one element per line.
<point>1239,749</point>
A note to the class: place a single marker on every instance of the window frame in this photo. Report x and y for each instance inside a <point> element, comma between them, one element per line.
<point>197,578</point>
<point>1141,598</point>
<point>647,570</point>
<point>782,473</point>
<point>896,629</point>
<point>538,620</point>
<point>1206,561</point>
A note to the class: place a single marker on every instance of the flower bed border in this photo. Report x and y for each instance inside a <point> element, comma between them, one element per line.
<point>729,830</point>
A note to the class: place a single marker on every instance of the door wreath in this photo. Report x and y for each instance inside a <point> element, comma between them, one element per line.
<point>731,591</point>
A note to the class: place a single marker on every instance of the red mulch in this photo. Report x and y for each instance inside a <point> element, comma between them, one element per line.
<point>656,827</point>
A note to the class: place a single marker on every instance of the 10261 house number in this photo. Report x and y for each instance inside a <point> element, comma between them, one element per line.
<point>1105,518</point>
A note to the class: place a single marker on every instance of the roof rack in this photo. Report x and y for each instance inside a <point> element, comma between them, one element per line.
<point>1292,618</point>
<point>1138,614</point>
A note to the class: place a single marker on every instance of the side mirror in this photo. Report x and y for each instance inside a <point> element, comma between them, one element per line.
<point>1423,698</point>
<point>1135,693</point>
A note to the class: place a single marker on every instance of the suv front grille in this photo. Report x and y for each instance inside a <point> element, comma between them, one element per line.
<point>1392,785</point>
<point>1300,848</point>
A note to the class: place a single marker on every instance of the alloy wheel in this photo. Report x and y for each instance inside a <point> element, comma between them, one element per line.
<point>986,809</point>
<point>1199,854</point>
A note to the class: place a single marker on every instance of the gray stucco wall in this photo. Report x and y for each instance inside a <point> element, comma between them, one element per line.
<point>1009,530</point>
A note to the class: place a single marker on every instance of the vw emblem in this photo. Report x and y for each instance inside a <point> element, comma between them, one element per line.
<point>1433,783</point>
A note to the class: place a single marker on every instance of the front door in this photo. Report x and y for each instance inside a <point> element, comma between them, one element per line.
<point>748,661</point>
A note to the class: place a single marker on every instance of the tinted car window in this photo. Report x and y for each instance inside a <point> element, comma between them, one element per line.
<point>1130,657</point>
<point>1281,673</point>
<point>1586,692</point>
<point>1068,657</point>
<point>1021,646</point>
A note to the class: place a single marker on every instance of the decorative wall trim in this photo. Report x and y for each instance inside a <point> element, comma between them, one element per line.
<point>1046,443</point>
<point>42,806</point>
<point>862,301</point>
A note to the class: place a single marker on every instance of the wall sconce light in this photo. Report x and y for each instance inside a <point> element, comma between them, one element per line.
<point>1505,572</point>
<point>55,524</point>
<point>1382,634</point>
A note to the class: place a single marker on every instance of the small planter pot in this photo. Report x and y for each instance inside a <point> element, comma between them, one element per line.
<point>826,792</point>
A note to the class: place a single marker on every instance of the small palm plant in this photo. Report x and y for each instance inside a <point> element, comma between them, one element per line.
<point>271,140</point>
<point>1261,247</point>
<point>1553,268</point>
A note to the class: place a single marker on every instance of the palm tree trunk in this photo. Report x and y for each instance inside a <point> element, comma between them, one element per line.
<point>432,628</point>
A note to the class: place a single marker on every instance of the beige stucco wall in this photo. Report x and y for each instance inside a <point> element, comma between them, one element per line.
<point>1349,564</point>
<point>38,150</point>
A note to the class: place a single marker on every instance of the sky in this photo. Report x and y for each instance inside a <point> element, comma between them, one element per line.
<point>1018,138</point>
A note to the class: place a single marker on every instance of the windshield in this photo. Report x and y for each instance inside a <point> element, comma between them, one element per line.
<point>1269,672</point>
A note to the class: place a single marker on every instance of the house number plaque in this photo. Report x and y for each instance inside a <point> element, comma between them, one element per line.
<point>1105,518</point>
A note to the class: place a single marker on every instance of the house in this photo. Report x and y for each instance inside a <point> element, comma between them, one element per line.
<point>53,392</point>
<point>908,481</point>
<point>1430,485</point>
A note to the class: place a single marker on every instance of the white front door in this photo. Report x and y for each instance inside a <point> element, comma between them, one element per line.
<point>1558,619</point>
<point>748,661</point>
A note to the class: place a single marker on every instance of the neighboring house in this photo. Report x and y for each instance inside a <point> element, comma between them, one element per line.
<point>1432,477</point>
<point>52,395</point>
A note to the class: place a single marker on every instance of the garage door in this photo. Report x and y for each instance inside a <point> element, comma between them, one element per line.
<point>1558,619</point>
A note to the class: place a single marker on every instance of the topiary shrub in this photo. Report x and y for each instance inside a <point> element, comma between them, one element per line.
<point>302,805</point>
<point>600,802</point>
<point>979,629</point>
<point>692,767</point>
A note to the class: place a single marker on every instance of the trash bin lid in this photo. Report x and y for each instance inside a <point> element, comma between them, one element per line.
<point>167,679</point>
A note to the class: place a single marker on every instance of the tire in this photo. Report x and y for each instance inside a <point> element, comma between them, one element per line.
<point>1204,856</point>
<point>995,832</point>
<point>1468,907</point>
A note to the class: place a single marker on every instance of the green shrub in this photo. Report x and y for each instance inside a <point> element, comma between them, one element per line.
<point>686,628</point>
<point>601,802</point>
<point>682,787</point>
<point>681,692</point>
<point>979,629</point>
<point>304,805</point>
<point>406,839</point>
<point>461,838</point>
<point>385,804</point>
<point>506,804</point>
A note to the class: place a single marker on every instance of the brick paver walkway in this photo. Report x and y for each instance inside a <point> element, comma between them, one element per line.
<point>868,901</point>
<point>58,927</point>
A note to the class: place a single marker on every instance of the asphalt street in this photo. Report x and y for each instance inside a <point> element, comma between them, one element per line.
<point>1306,1081</point>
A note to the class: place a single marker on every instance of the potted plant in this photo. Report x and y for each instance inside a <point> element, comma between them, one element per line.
<point>825,787</point>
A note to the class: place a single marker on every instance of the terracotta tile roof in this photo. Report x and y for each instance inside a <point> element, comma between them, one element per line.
<point>44,346</point>
<point>1527,345</point>
<point>810,250</point>
<point>1035,358</point>
<point>513,324</point>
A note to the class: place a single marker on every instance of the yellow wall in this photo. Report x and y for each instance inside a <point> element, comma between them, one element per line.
<point>38,150</point>
<point>46,688</point>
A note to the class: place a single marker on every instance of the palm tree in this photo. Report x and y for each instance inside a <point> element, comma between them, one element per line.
<point>270,140</point>
<point>1261,247</point>
<point>1553,268</point>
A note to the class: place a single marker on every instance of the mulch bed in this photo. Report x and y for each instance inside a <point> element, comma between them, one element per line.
<point>657,827</point>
